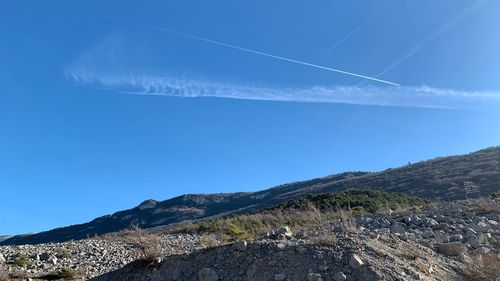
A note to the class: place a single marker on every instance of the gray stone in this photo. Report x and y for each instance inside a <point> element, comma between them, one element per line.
<point>339,276</point>
<point>453,249</point>
<point>44,256</point>
<point>314,277</point>
<point>280,276</point>
<point>355,261</point>
<point>284,232</point>
<point>240,246</point>
<point>397,228</point>
<point>2,259</point>
<point>207,274</point>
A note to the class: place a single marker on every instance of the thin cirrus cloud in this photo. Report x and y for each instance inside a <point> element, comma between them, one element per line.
<point>397,96</point>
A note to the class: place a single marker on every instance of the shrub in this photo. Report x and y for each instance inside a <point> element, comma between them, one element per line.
<point>149,246</point>
<point>65,254</point>
<point>484,206</point>
<point>495,195</point>
<point>21,260</point>
<point>483,267</point>
<point>67,273</point>
<point>362,201</point>
<point>208,241</point>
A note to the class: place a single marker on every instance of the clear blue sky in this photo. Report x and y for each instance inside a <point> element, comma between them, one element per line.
<point>74,145</point>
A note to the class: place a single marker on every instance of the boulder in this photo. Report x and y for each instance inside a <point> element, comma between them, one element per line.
<point>398,228</point>
<point>44,256</point>
<point>339,276</point>
<point>207,274</point>
<point>280,277</point>
<point>355,261</point>
<point>314,277</point>
<point>453,249</point>
<point>284,233</point>
<point>240,246</point>
<point>2,259</point>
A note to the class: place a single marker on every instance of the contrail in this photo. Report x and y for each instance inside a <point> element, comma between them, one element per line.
<point>343,39</point>
<point>450,24</point>
<point>186,35</point>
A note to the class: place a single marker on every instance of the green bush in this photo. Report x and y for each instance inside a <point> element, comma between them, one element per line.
<point>65,254</point>
<point>21,260</point>
<point>359,201</point>
<point>66,273</point>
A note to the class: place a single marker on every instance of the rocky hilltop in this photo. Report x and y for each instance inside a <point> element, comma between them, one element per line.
<point>447,178</point>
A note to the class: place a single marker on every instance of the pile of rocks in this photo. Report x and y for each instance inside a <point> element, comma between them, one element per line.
<point>454,227</point>
<point>90,257</point>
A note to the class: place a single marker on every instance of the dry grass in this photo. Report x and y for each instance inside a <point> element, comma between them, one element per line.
<point>483,267</point>
<point>251,226</point>
<point>208,241</point>
<point>324,240</point>
<point>148,245</point>
<point>484,206</point>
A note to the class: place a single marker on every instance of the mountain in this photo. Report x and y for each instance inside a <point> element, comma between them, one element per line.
<point>445,178</point>
<point>4,237</point>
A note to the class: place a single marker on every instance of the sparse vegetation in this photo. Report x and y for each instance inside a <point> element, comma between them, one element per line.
<point>65,254</point>
<point>148,245</point>
<point>485,206</point>
<point>21,260</point>
<point>303,213</point>
<point>359,201</point>
<point>324,240</point>
<point>495,195</point>
<point>483,267</point>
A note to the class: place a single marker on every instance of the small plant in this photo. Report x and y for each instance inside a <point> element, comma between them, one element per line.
<point>236,232</point>
<point>495,195</point>
<point>208,241</point>
<point>483,267</point>
<point>67,273</point>
<point>65,254</point>
<point>21,260</point>
<point>148,245</point>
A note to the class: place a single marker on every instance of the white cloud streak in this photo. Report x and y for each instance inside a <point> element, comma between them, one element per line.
<point>449,25</point>
<point>423,96</point>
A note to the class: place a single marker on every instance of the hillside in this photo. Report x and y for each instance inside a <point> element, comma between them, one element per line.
<point>447,178</point>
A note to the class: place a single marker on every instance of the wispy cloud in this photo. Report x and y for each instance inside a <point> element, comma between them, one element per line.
<point>423,96</point>
<point>466,12</point>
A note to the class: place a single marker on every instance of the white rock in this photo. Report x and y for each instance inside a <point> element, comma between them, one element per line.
<point>355,261</point>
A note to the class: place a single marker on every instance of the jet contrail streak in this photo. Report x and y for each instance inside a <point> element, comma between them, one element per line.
<point>449,25</point>
<point>248,50</point>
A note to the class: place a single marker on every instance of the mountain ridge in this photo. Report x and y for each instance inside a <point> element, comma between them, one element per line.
<point>447,178</point>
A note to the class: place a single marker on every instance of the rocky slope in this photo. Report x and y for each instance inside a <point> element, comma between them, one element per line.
<point>440,242</point>
<point>437,243</point>
<point>447,178</point>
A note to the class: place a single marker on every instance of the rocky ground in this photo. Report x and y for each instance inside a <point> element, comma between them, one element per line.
<point>89,257</point>
<point>439,242</point>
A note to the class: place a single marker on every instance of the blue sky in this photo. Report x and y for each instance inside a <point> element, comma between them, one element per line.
<point>99,112</point>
